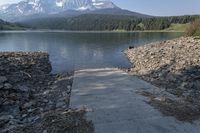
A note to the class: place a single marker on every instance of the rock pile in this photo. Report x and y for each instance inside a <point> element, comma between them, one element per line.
<point>173,65</point>
<point>32,63</point>
<point>28,91</point>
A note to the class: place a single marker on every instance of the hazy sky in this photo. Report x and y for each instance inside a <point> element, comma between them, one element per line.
<point>153,7</point>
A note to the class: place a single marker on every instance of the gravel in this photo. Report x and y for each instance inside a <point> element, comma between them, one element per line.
<point>172,65</point>
<point>32,100</point>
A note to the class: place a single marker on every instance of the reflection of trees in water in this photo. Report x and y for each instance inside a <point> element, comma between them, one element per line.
<point>80,49</point>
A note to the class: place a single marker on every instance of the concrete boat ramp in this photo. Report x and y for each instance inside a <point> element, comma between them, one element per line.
<point>115,107</point>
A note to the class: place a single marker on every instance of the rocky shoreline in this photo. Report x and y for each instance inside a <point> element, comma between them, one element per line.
<point>32,100</point>
<point>174,66</point>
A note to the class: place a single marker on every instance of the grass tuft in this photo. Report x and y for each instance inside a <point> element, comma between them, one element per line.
<point>194,28</point>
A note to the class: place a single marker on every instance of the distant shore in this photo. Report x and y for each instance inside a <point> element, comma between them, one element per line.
<point>173,65</point>
<point>68,31</point>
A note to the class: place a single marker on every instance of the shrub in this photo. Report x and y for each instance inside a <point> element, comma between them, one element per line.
<point>194,28</point>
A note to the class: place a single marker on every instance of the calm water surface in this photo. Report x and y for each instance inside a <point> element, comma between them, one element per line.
<point>72,51</point>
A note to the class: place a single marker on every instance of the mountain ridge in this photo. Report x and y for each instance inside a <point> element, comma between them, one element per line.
<point>49,7</point>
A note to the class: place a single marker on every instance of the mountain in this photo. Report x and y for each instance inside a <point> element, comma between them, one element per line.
<point>49,7</point>
<point>70,14</point>
<point>119,11</point>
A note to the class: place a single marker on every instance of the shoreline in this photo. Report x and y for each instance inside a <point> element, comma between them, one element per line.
<point>68,31</point>
<point>174,67</point>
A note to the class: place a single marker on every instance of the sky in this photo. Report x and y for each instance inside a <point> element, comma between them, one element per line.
<point>153,7</point>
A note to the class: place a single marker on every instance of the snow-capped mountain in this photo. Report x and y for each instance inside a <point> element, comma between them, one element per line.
<point>31,7</point>
<point>3,7</point>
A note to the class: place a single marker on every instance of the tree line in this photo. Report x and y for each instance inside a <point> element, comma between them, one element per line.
<point>109,22</point>
<point>11,26</point>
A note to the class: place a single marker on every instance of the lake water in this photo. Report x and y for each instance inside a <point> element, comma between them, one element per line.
<point>77,50</point>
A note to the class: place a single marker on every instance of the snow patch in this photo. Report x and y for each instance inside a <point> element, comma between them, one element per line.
<point>59,4</point>
<point>98,4</point>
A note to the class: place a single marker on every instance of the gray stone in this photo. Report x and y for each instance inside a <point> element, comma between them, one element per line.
<point>3,122</point>
<point>7,86</point>
<point>24,115</point>
<point>45,100</point>
<point>183,86</point>
<point>44,131</point>
<point>23,88</point>
<point>1,86</point>
<point>60,104</point>
<point>33,119</point>
<point>3,79</point>
<point>30,110</point>
<point>28,105</point>
<point>69,87</point>
<point>196,85</point>
<point>6,117</point>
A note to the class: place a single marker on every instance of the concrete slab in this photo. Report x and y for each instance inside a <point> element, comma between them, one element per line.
<point>117,108</point>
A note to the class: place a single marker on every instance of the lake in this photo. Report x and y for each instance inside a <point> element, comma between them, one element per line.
<point>77,50</point>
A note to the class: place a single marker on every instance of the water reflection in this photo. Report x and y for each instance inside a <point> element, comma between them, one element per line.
<point>69,51</point>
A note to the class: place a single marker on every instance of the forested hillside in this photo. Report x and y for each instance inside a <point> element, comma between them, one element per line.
<point>104,22</point>
<point>11,26</point>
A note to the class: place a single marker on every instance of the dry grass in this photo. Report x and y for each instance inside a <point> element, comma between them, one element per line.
<point>194,28</point>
